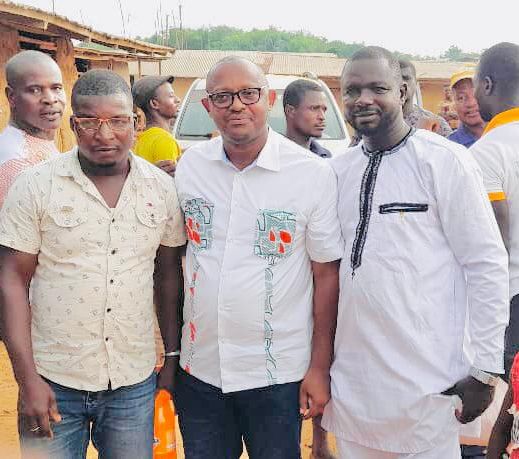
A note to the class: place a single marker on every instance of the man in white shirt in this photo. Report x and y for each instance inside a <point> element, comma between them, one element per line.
<point>36,101</point>
<point>421,244</point>
<point>261,278</point>
<point>497,152</point>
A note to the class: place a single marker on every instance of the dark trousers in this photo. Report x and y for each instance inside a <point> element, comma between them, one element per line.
<point>213,424</point>
<point>473,452</point>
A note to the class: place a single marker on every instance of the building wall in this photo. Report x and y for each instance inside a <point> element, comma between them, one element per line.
<point>181,86</point>
<point>432,93</point>
<point>9,48</point>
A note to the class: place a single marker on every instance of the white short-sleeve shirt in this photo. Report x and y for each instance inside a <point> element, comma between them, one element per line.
<point>497,153</point>
<point>252,236</point>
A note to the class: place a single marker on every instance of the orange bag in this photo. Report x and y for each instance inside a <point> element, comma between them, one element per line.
<point>164,445</point>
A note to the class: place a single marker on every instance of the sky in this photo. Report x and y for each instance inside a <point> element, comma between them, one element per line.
<point>411,26</point>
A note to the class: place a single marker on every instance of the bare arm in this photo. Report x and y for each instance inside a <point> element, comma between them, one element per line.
<point>502,216</point>
<point>38,405</point>
<point>167,274</point>
<point>501,432</point>
<point>315,389</point>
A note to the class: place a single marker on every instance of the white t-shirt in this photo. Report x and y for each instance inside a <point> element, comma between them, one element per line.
<point>497,153</point>
<point>252,236</point>
<point>18,151</point>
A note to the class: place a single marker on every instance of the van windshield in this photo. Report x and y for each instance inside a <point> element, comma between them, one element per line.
<point>195,123</point>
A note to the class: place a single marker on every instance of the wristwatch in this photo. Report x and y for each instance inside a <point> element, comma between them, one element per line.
<point>483,376</point>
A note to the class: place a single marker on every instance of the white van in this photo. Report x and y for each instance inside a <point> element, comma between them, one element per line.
<point>194,125</point>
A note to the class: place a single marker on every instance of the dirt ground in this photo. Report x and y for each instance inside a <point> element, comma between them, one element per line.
<point>9,437</point>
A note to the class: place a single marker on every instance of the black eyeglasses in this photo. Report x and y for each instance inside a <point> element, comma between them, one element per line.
<point>247,96</point>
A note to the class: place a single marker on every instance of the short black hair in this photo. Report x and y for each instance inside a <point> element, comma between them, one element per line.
<point>100,82</point>
<point>376,52</point>
<point>501,64</point>
<point>295,91</point>
<point>407,64</point>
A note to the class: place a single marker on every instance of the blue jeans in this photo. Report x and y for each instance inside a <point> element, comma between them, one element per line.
<point>213,424</point>
<point>120,423</point>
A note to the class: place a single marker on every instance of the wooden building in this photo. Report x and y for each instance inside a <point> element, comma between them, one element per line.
<point>75,47</point>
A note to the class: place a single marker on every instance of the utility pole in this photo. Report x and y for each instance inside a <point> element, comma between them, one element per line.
<point>53,7</point>
<point>122,18</point>
<point>180,25</point>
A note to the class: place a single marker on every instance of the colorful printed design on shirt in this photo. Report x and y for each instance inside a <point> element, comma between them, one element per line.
<point>191,326</point>
<point>198,217</point>
<point>275,233</point>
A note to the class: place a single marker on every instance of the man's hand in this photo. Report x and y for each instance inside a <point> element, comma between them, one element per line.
<point>314,393</point>
<point>167,374</point>
<point>475,395</point>
<point>38,408</point>
<point>168,166</point>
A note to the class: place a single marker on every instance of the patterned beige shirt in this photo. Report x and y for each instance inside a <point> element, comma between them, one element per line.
<point>92,291</point>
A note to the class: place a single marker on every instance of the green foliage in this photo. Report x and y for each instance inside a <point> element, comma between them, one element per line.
<point>271,39</point>
<point>274,39</point>
<point>455,53</point>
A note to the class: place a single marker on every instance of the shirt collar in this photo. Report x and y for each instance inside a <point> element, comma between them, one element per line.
<point>268,157</point>
<point>508,116</point>
<point>391,150</point>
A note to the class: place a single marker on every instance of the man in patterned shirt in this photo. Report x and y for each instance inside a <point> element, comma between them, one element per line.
<point>83,231</point>
<point>414,115</point>
<point>36,100</point>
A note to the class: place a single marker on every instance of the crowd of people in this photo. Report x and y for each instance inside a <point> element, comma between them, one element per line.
<point>375,291</point>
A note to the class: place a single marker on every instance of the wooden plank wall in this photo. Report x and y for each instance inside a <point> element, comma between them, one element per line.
<point>9,48</point>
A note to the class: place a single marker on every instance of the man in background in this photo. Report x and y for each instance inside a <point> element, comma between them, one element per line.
<point>304,103</point>
<point>497,93</point>
<point>155,96</point>
<point>471,125</point>
<point>414,115</point>
<point>36,101</point>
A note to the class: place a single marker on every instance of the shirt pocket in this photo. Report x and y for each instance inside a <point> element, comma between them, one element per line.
<point>275,235</point>
<point>64,229</point>
<point>402,212</point>
<point>151,222</point>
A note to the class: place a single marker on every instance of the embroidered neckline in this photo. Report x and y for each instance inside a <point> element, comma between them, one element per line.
<point>367,190</point>
<point>391,150</point>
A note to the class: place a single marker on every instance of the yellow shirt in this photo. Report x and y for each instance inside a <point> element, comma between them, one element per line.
<point>156,144</point>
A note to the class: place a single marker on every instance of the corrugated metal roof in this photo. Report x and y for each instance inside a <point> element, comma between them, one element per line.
<point>42,22</point>
<point>196,64</point>
<point>439,70</point>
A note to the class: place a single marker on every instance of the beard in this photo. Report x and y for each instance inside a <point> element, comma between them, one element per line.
<point>376,127</point>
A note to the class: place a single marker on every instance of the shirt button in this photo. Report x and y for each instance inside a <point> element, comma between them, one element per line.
<point>109,310</point>
<point>111,281</point>
<point>114,251</point>
<point>106,339</point>
<point>113,220</point>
